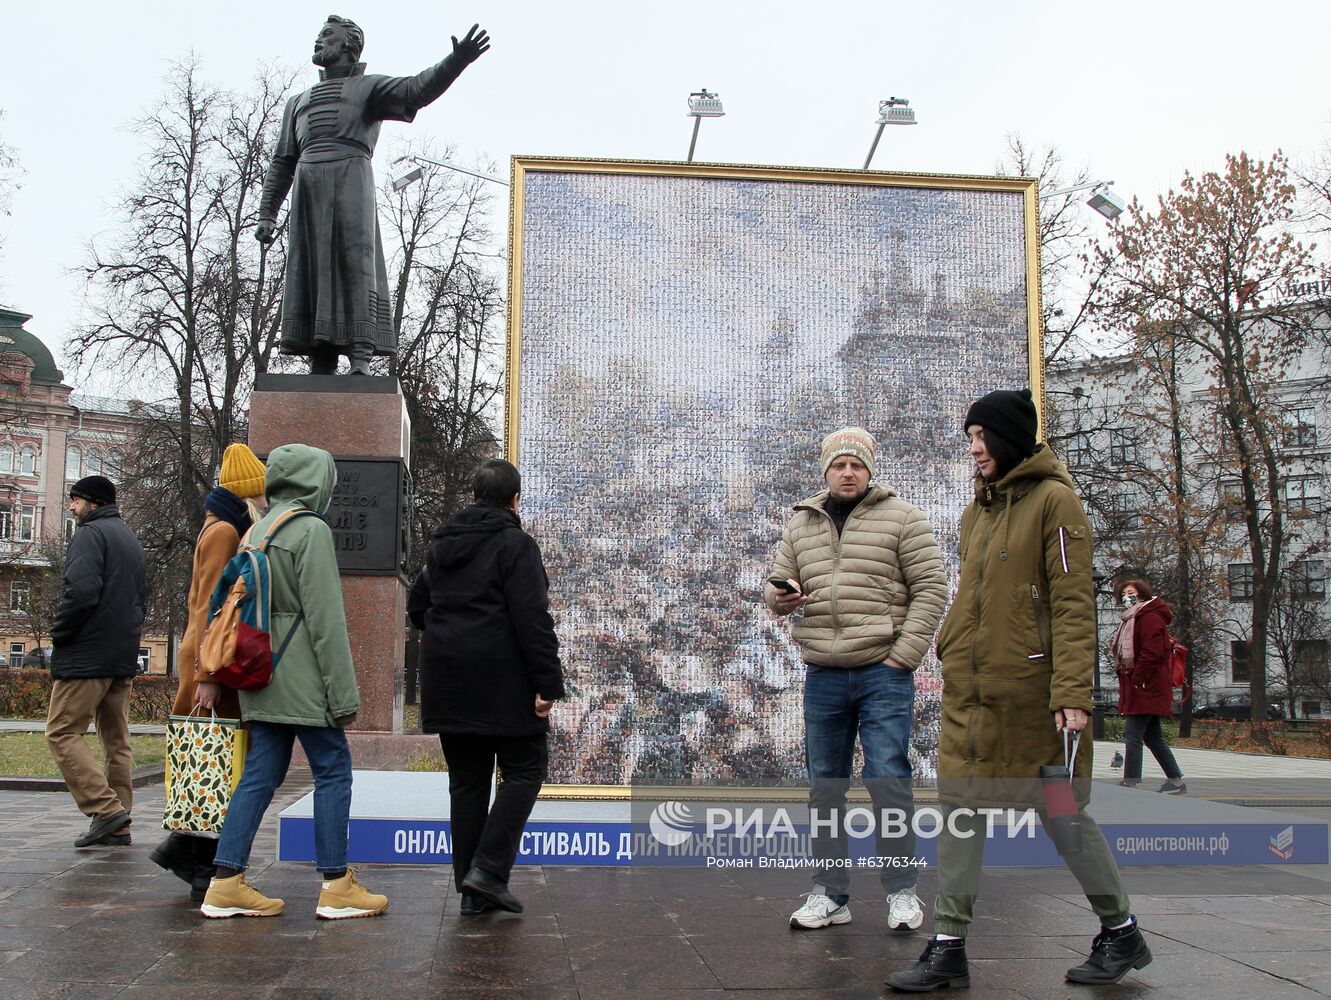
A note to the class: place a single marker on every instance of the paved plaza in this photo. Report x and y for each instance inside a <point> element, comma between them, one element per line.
<point>105,922</point>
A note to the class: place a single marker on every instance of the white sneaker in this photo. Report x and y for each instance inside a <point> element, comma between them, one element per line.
<point>904,910</point>
<point>819,911</point>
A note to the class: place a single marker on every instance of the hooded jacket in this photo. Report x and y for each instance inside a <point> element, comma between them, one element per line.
<point>1019,641</point>
<point>489,645</point>
<point>875,591</point>
<point>314,683</point>
<point>103,597</point>
<point>1147,688</point>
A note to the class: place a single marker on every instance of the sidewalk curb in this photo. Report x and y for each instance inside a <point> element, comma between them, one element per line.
<point>141,776</point>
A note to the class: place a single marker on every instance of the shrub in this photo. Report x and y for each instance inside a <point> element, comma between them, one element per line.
<point>151,698</point>
<point>26,694</point>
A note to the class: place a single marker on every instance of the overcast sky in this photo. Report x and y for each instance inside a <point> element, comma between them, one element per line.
<point>1138,92</point>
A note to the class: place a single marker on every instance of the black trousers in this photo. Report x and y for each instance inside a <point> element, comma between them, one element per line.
<point>485,836</point>
<point>1139,729</point>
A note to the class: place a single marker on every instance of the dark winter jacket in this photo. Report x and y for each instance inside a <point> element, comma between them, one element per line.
<point>489,645</point>
<point>1019,641</point>
<point>102,600</point>
<point>1148,687</point>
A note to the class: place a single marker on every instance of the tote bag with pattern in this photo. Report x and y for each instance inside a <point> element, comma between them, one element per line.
<point>204,760</point>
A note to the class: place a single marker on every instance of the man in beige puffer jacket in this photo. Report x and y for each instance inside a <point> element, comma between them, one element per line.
<point>865,567</point>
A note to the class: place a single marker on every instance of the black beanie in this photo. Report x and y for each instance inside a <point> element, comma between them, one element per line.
<point>94,489</point>
<point>1009,414</point>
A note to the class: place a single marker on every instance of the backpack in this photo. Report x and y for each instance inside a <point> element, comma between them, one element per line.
<point>1178,666</point>
<point>237,649</point>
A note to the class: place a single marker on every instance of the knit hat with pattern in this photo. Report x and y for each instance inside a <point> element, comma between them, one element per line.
<point>854,441</point>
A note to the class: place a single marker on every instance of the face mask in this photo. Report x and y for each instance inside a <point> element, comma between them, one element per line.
<point>1129,600</point>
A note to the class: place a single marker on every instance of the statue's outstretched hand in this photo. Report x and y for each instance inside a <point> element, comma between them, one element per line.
<point>263,232</point>
<point>471,47</point>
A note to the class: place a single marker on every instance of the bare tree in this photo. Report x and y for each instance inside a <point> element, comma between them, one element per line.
<point>1068,275</point>
<point>447,310</point>
<point>10,172</point>
<point>183,300</point>
<point>1197,277</point>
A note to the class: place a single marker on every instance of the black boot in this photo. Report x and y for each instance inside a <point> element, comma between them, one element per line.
<point>176,855</point>
<point>205,849</point>
<point>1113,955</point>
<point>942,964</point>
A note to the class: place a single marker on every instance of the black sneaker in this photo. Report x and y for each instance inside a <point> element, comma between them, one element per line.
<point>1172,787</point>
<point>943,963</point>
<point>1113,955</point>
<point>103,828</point>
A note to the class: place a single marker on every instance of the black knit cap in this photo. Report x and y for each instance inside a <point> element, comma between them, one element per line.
<point>94,489</point>
<point>1009,414</point>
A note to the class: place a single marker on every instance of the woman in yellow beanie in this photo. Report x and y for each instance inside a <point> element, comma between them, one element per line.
<point>229,510</point>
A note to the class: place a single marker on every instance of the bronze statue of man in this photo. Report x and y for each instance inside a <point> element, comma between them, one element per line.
<point>335,300</point>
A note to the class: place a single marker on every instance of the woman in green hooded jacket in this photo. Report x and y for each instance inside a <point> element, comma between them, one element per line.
<point>1018,651</point>
<point>312,696</point>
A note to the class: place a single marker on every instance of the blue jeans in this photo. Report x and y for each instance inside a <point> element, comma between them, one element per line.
<point>266,768</point>
<point>878,703</point>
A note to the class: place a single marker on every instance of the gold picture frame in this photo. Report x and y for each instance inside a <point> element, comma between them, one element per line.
<point>557,267</point>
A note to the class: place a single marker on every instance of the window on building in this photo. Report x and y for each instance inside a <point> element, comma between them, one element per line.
<point>6,521</point>
<point>27,462</point>
<point>1232,497</point>
<point>1238,662</point>
<point>6,458</point>
<point>18,595</point>
<point>1125,511</point>
<point>73,462</point>
<point>1122,445</point>
<point>1307,580</point>
<point>70,525</point>
<point>1303,495</point>
<point>92,466</point>
<point>1240,581</point>
<point>1311,708</point>
<point>1301,427</point>
<point>27,522</point>
<point>16,652</point>
<point>1310,662</point>
<point>1077,450</point>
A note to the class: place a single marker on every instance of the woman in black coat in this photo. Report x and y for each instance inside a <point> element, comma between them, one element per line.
<point>490,671</point>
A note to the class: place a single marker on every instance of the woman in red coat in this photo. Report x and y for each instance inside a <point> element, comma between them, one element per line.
<point>1145,683</point>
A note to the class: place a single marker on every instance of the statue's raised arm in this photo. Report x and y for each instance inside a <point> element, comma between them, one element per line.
<point>335,299</point>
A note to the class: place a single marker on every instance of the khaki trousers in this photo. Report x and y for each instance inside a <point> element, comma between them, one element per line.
<point>74,704</point>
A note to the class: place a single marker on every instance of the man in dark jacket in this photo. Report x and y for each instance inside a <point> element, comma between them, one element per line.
<point>489,667</point>
<point>96,639</point>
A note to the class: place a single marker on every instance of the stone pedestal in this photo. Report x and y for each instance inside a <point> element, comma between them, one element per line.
<point>363,422</point>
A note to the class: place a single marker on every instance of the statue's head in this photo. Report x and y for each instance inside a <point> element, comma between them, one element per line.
<point>340,40</point>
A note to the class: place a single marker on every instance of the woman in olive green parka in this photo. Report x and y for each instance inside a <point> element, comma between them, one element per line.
<point>1018,651</point>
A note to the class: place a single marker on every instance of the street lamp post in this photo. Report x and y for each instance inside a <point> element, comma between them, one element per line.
<point>410,177</point>
<point>893,111</point>
<point>702,105</point>
<point>1097,693</point>
<point>1103,198</point>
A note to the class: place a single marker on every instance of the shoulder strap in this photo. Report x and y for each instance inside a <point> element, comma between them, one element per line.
<point>281,520</point>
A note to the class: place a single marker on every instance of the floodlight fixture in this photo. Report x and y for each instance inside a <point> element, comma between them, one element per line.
<point>404,180</point>
<point>1103,199</point>
<point>702,104</point>
<point>893,111</point>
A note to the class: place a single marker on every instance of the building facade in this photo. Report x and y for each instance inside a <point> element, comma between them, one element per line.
<point>50,437</point>
<point>1167,500</point>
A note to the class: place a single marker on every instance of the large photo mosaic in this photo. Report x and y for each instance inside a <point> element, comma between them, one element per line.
<point>680,342</point>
